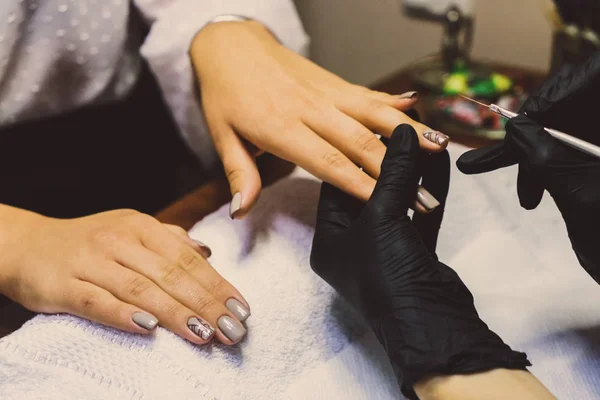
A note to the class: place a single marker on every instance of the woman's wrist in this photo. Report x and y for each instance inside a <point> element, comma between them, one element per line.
<point>205,41</point>
<point>15,223</point>
<point>495,384</point>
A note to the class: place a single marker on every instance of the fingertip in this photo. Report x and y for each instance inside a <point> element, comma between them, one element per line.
<point>529,190</point>
<point>244,196</point>
<point>463,163</point>
<point>420,208</point>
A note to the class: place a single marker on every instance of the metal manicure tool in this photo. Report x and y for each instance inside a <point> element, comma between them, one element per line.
<point>567,139</point>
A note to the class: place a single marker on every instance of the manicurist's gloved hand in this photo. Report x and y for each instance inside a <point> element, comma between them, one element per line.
<point>565,102</point>
<point>571,177</point>
<point>384,264</point>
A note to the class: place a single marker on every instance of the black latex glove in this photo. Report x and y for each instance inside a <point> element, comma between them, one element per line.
<point>385,266</point>
<point>565,102</point>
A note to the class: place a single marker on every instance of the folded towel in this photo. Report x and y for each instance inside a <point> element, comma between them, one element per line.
<point>303,341</point>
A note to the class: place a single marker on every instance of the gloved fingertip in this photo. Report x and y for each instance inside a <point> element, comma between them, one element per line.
<point>531,200</point>
<point>529,190</point>
<point>404,138</point>
<point>485,159</point>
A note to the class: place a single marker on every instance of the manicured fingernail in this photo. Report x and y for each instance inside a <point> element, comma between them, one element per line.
<point>238,309</point>
<point>205,249</point>
<point>236,204</point>
<point>144,320</point>
<point>201,328</point>
<point>408,95</point>
<point>426,199</point>
<point>436,137</point>
<point>231,328</point>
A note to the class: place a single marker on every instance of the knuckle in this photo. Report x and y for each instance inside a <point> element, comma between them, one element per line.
<point>187,260</point>
<point>542,156</point>
<point>144,219</point>
<point>124,212</point>
<point>137,286</point>
<point>173,308</point>
<point>333,159</point>
<point>218,286</point>
<point>171,275</point>
<point>86,301</point>
<point>104,237</point>
<point>367,143</point>
<point>235,176</point>
<point>586,201</point>
<point>309,102</point>
<point>361,89</point>
<point>180,231</point>
<point>203,304</point>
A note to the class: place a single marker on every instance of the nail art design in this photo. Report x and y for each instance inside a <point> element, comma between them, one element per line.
<point>200,328</point>
<point>408,95</point>
<point>236,204</point>
<point>436,137</point>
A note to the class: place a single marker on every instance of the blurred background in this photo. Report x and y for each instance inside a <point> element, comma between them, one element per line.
<point>494,51</point>
<point>365,41</point>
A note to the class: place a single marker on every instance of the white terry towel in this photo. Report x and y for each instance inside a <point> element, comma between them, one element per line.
<point>303,341</point>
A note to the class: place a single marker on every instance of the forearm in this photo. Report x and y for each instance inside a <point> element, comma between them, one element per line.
<point>496,384</point>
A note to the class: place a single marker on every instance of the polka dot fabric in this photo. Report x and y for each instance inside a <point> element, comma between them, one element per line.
<point>57,55</point>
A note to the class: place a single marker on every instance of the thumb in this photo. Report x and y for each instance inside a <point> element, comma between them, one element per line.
<point>534,148</point>
<point>240,169</point>
<point>396,187</point>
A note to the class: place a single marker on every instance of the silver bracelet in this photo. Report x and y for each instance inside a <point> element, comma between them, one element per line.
<point>228,18</point>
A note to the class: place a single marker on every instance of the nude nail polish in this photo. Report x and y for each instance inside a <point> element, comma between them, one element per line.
<point>236,204</point>
<point>426,199</point>
<point>408,95</point>
<point>201,328</point>
<point>144,320</point>
<point>436,137</point>
<point>238,309</point>
<point>231,328</point>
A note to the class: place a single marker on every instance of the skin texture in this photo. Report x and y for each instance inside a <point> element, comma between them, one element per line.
<point>497,384</point>
<point>108,266</point>
<point>259,96</point>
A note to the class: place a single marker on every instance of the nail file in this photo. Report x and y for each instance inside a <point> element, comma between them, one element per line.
<point>567,139</point>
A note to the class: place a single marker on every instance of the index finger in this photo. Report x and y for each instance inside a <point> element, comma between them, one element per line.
<point>305,148</point>
<point>383,119</point>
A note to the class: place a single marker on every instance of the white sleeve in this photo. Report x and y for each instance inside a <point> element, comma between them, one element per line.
<point>174,23</point>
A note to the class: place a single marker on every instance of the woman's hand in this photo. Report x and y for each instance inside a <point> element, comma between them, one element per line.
<point>254,90</point>
<point>122,269</point>
<point>384,264</point>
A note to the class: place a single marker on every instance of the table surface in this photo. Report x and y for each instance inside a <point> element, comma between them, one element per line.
<point>209,197</point>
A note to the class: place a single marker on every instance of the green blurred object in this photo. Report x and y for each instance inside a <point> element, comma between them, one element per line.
<point>456,84</point>
<point>463,81</point>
